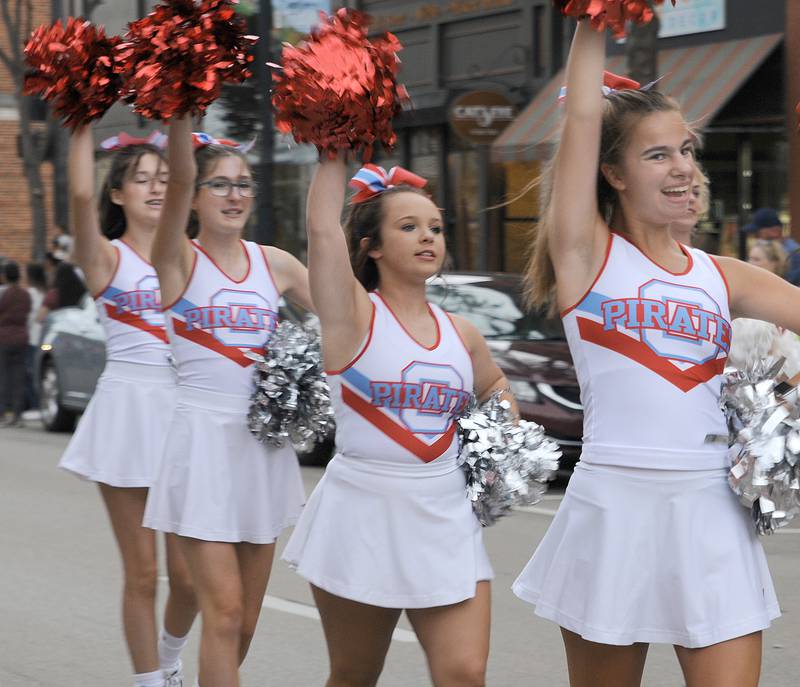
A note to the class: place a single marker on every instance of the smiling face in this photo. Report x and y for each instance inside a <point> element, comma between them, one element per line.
<point>141,194</point>
<point>654,176</point>
<point>411,237</point>
<point>224,213</point>
<point>695,209</point>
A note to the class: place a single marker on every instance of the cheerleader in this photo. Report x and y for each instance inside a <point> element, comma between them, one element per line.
<point>119,440</point>
<point>650,543</point>
<point>389,526</point>
<point>219,489</point>
<point>684,229</point>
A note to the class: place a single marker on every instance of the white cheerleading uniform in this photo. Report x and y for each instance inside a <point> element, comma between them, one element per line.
<point>650,544</point>
<point>119,439</point>
<point>389,523</point>
<point>217,482</point>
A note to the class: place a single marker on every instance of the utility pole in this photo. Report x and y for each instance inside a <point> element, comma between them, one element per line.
<point>791,44</point>
<point>264,229</point>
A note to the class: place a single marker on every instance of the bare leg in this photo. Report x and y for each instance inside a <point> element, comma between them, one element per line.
<point>456,639</point>
<point>137,546</point>
<point>735,663</point>
<point>358,637</point>
<point>603,665</point>
<point>217,580</point>
<point>255,565</point>
<point>181,608</point>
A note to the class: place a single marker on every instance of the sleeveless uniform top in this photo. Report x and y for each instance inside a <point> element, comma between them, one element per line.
<point>649,347</point>
<point>398,400</point>
<point>130,311</point>
<point>218,319</point>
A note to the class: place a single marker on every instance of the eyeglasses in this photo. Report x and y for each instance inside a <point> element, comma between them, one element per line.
<point>221,187</point>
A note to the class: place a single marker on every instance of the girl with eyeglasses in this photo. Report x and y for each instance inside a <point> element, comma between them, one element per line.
<point>119,440</point>
<point>223,493</point>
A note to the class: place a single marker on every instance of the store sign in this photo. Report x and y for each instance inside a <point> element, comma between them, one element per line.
<point>481,116</point>
<point>691,16</point>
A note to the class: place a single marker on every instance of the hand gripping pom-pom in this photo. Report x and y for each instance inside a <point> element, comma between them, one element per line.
<point>611,14</point>
<point>177,58</point>
<point>291,401</point>
<point>338,89</point>
<point>506,463</point>
<point>72,67</point>
<point>764,424</point>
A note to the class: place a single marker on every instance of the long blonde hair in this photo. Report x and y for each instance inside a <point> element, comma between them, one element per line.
<point>621,112</point>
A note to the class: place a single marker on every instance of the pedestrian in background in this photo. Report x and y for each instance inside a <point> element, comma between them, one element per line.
<point>15,305</point>
<point>37,288</point>
<point>67,290</point>
<point>754,340</point>
<point>765,224</point>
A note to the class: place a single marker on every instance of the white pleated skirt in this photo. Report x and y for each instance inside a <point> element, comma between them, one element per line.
<point>217,482</point>
<point>639,555</point>
<point>390,535</point>
<point>120,438</point>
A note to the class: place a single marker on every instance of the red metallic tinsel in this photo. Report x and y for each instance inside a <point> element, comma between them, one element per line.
<point>72,67</point>
<point>338,89</point>
<point>176,59</point>
<point>611,14</point>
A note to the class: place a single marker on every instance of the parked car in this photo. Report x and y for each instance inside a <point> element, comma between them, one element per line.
<point>70,358</point>
<point>530,348</point>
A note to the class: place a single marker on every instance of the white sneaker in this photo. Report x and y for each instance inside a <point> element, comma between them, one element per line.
<point>174,677</point>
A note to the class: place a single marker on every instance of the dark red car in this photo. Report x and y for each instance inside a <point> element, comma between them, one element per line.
<point>530,349</point>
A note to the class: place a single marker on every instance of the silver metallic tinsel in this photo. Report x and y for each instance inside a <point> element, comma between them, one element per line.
<point>507,464</point>
<point>291,400</point>
<point>764,423</point>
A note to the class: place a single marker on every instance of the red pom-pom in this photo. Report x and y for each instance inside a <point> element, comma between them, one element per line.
<point>72,67</point>
<point>612,14</point>
<point>176,59</point>
<point>339,90</point>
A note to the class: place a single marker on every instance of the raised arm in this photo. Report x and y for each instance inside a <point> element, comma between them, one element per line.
<point>577,234</point>
<point>172,254</point>
<point>92,251</point>
<point>341,302</point>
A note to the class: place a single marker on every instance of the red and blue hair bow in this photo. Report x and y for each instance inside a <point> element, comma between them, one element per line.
<point>122,140</point>
<point>611,82</point>
<point>201,139</point>
<point>372,180</point>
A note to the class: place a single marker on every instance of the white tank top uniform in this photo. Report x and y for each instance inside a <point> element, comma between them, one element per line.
<point>217,482</point>
<point>389,524</point>
<point>119,439</point>
<point>650,544</point>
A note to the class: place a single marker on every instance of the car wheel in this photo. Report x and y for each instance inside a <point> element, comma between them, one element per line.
<point>55,417</point>
<point>318,456</point>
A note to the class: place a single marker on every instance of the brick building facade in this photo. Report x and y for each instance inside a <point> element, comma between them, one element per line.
<point>15,212</point>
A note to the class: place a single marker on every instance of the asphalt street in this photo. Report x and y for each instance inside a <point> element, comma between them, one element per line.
<point>60,585</point>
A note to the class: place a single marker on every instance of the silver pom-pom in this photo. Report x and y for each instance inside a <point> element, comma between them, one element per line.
<point>291,400</point>
<point>507,463</point>
<point>764,423</point>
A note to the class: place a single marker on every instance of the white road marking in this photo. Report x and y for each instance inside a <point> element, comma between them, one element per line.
<point>536,510</point>
<point>306,611</point>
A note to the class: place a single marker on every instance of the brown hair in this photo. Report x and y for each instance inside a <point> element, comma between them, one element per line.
<point>206,158</point>
<point>123,165</point>
<point>622,109</point>
<point>363,221</point>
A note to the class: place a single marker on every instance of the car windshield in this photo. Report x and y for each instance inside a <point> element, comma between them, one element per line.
<point>494,305</point>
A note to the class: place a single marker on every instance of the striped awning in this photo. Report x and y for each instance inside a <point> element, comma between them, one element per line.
<point>702,78</point>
